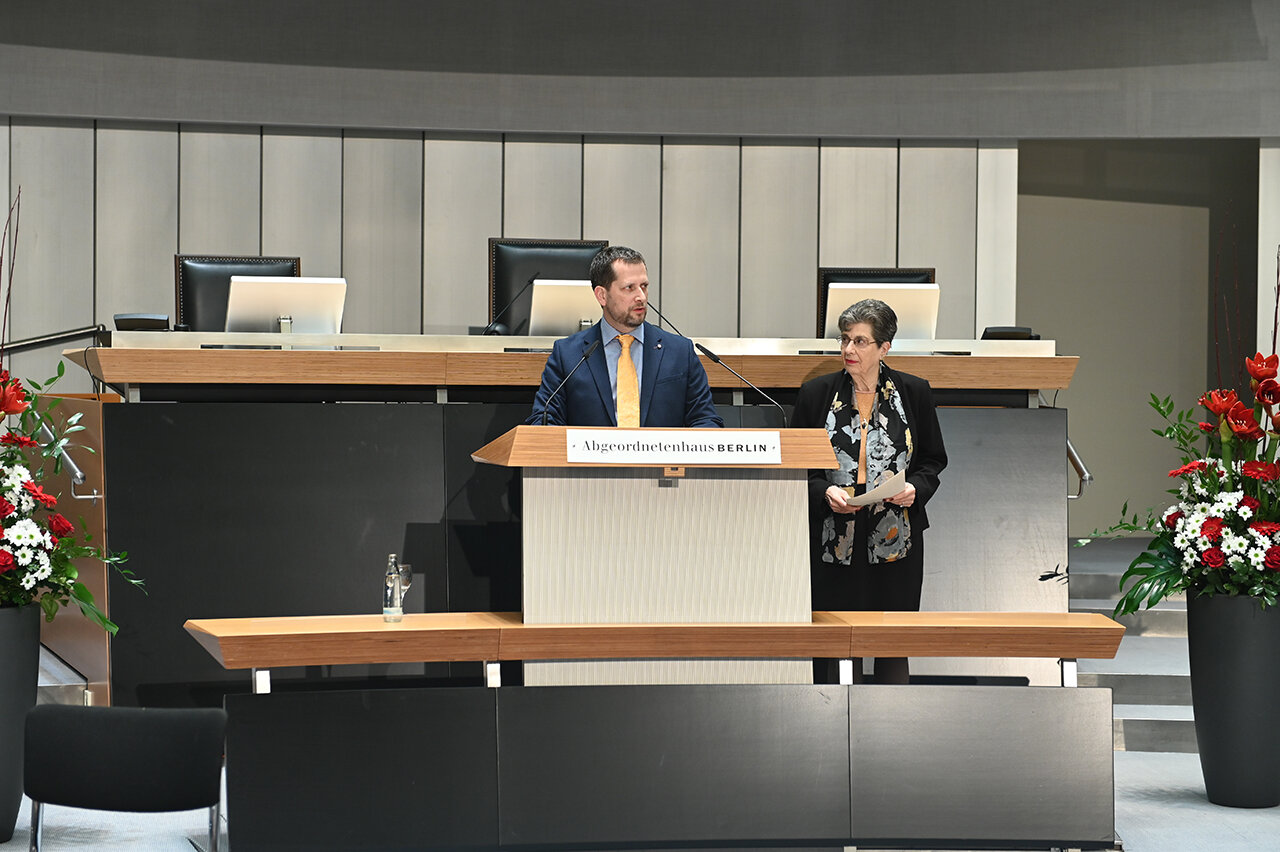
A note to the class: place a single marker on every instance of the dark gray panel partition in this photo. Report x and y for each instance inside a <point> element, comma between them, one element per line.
<point>385,770</point>
<point>1001,765</point>
<point>671,767</point>
<point>231,510</point>
<point>603,765</point>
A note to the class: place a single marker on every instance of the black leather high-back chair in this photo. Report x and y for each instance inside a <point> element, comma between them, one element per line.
<point>513,261</point>
<point>132,759</point>
<point>828,275</point>
<point>203,281</point>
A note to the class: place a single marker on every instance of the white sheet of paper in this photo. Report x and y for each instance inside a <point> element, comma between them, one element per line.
<point>888,488</point>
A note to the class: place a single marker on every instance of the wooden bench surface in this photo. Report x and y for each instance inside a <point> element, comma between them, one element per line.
<point>243,643</point>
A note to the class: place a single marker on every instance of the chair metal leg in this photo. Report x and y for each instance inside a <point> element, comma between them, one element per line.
<point>37,827</point>
<point>215,818</point>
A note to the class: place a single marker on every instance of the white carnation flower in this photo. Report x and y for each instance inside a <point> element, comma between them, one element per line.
<point>24,533</point>
<point>1232,543</point>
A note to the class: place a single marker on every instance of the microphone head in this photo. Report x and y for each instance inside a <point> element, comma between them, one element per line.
<point>497,328</point>
<point>705,351</point>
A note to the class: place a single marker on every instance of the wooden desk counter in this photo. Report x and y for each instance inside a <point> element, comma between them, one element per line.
<point>263,643</point>
<point>140,358</point>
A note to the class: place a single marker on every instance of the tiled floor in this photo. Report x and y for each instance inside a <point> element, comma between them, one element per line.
<point>1160,807</point>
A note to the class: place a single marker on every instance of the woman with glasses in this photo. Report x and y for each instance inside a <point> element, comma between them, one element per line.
<point>881,423</point>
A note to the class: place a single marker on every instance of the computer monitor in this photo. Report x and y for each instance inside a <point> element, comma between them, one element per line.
<point>313,305</point>
<point>915,304</point>
<point>559,307</point>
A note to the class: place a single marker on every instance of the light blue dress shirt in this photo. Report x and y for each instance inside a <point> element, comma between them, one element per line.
<point>612,351</point>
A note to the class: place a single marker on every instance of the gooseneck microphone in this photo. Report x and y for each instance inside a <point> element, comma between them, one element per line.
<point>664,319</point>
<point>585,355</point>
<point>714,357</point>
<point>494,327</point>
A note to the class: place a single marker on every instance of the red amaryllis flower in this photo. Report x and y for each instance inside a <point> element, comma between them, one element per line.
<point>13,399</point>
<point>1240,419</point>
<point>59,525</point>
<point>1263,471</point>
<point>1211,528</point>
<point>1219,401</point>
<point>1272,559</point>
<point>1171,520</point>
<point>18,440</point>
<point>1209,427</point>
<point>39,493</point>
<point>1267,392</point>
<point>1213,558</point>
<point>7,562</point>
<point>1190,467</point>
<point>1262,368</point>
<point>6,508</point>
<point>1265,527</point>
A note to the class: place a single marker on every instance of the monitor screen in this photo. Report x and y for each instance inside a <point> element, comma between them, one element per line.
<point>313,305</point>
<point>915,304</point>
<point>560,308</point>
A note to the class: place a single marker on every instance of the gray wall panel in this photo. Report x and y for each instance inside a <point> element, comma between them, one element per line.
<point>382,237</point>
<point>779,239</point>
<point>462,208</point>
<point>136,219</point>
<point>700,191</point>
<point>858,203</point>
<point>622,199</point>
<point>542,187</point>
<point>937,224</point>
<point>1095,266</point>
<point>219,190</point>
<point>996,286</point>
<point>52,162</point>
<point>302,198</point>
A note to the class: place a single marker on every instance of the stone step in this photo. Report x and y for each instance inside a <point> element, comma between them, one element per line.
<point>1139,727</point>
<point>58,683</point>
<point>1146,670</point>
<point>1167,618</point>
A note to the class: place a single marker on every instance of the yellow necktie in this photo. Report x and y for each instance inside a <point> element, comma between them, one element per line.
<point>628,386</point>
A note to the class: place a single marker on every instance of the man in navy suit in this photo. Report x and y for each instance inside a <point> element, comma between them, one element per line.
<point>673,387</point>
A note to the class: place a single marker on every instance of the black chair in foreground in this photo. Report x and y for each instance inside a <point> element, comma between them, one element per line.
<point>202,282</point>
<point>131,759</point>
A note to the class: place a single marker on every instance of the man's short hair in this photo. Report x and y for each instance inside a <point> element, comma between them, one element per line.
<point>602,272</point>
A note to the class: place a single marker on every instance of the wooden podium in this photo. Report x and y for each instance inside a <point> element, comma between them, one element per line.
<point>651,543</point>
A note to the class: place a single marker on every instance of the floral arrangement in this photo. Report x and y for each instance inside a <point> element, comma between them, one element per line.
<point>1222,535</point>
<point>38,545</point>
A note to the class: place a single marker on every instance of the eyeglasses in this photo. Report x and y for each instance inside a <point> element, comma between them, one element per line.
<point>857,342</point>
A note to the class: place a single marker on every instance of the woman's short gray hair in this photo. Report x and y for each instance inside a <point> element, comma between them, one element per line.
<point>875,313</point>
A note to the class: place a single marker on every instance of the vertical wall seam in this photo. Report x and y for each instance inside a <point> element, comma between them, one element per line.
<point>897,208</point>
<point>739,317</point>
<point>262,194</point>
<point>422,234</point>
<point>662,186</point>
<point>977,231</point>
<point>94,240</point>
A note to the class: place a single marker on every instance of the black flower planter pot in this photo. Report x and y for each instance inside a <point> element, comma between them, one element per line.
<point>1235,687</point>
<point>19,671</point>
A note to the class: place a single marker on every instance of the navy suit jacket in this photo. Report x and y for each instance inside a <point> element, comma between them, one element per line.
<point>673,387</point>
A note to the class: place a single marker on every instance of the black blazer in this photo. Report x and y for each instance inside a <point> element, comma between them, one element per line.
<point>928,458</point>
